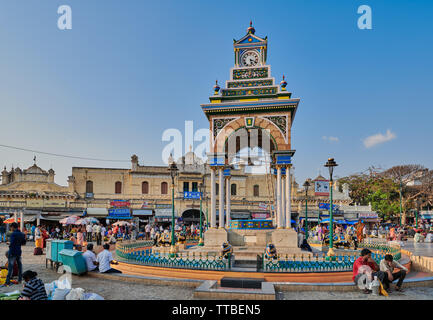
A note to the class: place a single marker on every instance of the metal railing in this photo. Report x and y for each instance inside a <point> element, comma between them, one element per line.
<point>141,253</point>
<point>323,263</point>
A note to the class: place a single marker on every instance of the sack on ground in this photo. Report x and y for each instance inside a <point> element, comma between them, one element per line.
<point>38,251</point>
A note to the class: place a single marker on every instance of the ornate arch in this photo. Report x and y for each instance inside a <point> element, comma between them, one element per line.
<point>278,130</point>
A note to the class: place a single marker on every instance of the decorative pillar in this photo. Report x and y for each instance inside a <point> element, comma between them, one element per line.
<point>275,201</point>
<point>221,199</point>
<point>288,197</point>
<point>228,201</point>
<point>283,200</point>
<point>212,199</point>
<point>279,222</point>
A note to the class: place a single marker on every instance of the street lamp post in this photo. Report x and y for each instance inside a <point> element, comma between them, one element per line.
<point>173,173</point>
<point>201,215</point>
<point>401,208</point>
<point>330,165</point>
<point>418,209</point>
<point>306,185</point>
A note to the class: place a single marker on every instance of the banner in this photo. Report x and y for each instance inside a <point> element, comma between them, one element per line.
<point>120,203</point>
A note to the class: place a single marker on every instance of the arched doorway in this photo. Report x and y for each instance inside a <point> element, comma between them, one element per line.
<point>191,216</point>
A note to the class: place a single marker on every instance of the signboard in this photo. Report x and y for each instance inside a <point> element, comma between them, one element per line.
<point>35,203</point>
<point>145,204</point>
<point>263,206</point>
<point>120,203</point>
<point>119,213</point>
<point>326,206</point>
<point>17,204</point>
<point>367,215</point>
<point>164,212</point>
<point>191,195</point>
<point>142,212</point>
<point>163,206</point>
<point>321,188</point>
<point>260,215</point>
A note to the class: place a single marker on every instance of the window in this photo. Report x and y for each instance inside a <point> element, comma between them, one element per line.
<point>256,190</point>
<point>118,187</point>
<point>185,186</point>
<point>145,187</point>
<point>194,187</point>
<point>89,186</point>
<point>233,189</point>
<point>164,188</point>
<point>217,188</point>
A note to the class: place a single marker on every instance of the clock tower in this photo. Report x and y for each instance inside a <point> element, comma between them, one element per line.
<point>251,102</point>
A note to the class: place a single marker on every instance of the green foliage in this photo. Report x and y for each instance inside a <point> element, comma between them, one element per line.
<point>381,192</point>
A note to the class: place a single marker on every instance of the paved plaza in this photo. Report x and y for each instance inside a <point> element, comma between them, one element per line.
<point>119,290</point>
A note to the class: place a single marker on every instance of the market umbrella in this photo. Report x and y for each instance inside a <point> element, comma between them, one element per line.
<point>69,220</point>
<point>80,222</point>
<point>91,220</point>
<point>121,223</point>
<point>11,220</point>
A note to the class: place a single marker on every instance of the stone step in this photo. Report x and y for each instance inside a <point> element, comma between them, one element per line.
<point>249,283</point>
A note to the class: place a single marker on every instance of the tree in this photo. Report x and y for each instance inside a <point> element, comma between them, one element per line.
<point>414,181</point>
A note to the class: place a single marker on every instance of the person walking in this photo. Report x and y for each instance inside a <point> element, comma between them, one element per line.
<point>17,239</point>
<point>103,230</point>
<point>147,231</point>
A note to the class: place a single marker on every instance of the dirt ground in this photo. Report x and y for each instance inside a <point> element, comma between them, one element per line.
<point>109,290</point>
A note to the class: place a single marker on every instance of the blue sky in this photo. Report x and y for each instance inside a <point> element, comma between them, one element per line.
<point>128,70</point>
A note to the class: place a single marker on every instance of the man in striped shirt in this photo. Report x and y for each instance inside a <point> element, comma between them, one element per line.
<point>34,288</point>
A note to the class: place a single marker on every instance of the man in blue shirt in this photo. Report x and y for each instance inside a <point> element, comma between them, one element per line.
<point>17,239</point>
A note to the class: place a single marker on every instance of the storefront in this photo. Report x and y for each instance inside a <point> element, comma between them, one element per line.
<point>163,216</point>
<point>143,216</point>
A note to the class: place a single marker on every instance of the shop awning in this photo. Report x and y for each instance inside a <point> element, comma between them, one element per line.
<point>97,212</point>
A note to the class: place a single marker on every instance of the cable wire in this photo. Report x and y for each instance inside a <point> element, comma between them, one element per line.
<point>61,155</point>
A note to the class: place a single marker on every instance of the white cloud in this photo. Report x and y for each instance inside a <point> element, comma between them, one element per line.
<point>330,139</point>
<point>378,139</point>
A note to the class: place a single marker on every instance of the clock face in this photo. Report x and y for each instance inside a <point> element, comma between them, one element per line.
<point>250,58</point>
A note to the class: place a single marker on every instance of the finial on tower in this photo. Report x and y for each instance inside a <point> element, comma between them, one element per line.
<point>251,28</point>
<point>34,159</point>
<point>283,84</point>
<point>216,88</point>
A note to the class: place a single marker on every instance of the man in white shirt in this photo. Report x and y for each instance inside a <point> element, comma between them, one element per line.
<point>104,259</point>
<point>89,231</point>
<point>387,265</point>
<point>147,230</point>
<point>90,258</point>
<point>103,230</point>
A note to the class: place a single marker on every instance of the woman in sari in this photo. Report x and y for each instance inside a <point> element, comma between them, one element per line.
<point>392,235</point>
<point>360,231</point>
<point>39,242</point>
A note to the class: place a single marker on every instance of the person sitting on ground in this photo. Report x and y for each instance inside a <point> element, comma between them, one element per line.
<point>271,252</point>
<point>418,237</point>
<point>6,266</point>
<point>227,250</point>
<point>429,237</point>
<point>34,288</point>
<point>104,259</point>
<point>90,258</point>
<point>388,265</point>
<point>366,259</point>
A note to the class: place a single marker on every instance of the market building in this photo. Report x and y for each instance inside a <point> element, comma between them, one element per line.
<point>32,195</point>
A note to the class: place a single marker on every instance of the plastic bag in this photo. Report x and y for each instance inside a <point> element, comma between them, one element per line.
<point>75,294</point>
<point>92,296</point>
<point>64,282</point>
